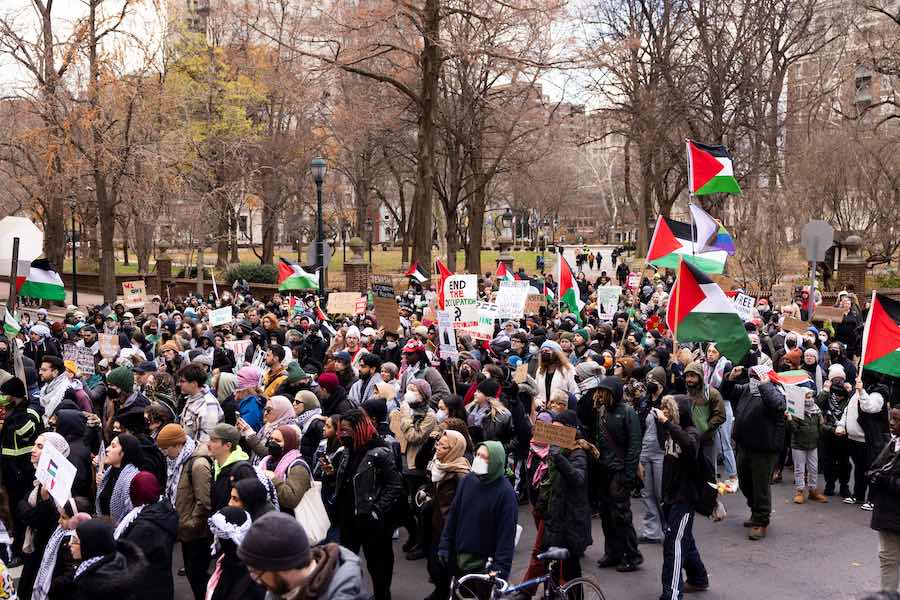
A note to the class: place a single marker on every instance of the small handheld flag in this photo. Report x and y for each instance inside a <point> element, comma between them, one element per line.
<point>710,170</point>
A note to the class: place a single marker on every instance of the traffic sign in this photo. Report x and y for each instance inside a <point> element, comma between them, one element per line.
<point>312,259</point>
<point>816,238</point>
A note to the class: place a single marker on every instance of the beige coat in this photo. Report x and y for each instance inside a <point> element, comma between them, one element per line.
<point>193,500</point>
<point>412,432</point>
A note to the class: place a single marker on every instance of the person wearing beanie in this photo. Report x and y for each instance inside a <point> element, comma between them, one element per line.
<point>189,474</point>
<point>297,379</point>
<point>122,396</point>
<point>278,555</point>
<point>554,372</point>
<point>171,353</point>
<point>152,526</point>
<point>834,457</point>
<point>488,418</point>
<point>230,579</point>
<point>364,387</point>
<point>813,368</point>
<point>333,395</point>
<point>231,463</point>
<point>420,367</point>
<point>310,421</point>
<point>109,569</point>
<point>367,490</point>
<point>40,344</point>
<point>580,339</point>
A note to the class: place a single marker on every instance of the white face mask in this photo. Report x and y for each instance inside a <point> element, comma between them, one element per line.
<point>440,416</point>
<point>479,466</point>
<point>411,397</point>
<point>391,345</point>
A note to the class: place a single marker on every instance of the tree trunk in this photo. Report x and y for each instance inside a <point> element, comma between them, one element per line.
<point>143,244</point>
<point>125,245</point>
<point>222,232</point>
<point>271,198</point>
<point>55,231</point>
<point>361,191</point>
<point>232,236</point>
<point>476,206</point>
<point>106,211</point>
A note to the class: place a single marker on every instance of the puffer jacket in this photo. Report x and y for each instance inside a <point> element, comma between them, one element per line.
<point>616,432</point>
<point>759,423</point>
<point>193,496</point>
<point>884,491</point>
<point>114,576</point>
<point>567,514</point>
<point>154,532</point>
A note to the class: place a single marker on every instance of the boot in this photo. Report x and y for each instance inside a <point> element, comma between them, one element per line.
<point>757,533</point>
<point>799,498</point>
<point>815,496</point>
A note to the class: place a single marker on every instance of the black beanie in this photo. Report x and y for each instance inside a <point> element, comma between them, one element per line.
<point>377,410</point>
<point>566,417</point>
<point>96,537</point>
<point>275,542</point>
<point>489,388</point>
<point>13,387</point>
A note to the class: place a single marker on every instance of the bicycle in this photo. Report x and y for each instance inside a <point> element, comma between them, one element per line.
<point>580,588</point>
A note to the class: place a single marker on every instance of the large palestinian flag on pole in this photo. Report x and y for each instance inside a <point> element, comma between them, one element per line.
<point>710,170</point>
<point>291,276</point>
<point>42,282</point>
<point>673,240</point>
<point>881,337</point>
<point>699,311</point>
<point>568,289</point>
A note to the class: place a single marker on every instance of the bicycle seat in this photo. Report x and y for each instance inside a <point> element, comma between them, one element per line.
<point>554,553</point>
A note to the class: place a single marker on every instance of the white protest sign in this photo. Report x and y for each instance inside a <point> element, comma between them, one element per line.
<point>239,348</point>
<point>70,352</point>
<point>460,296</point>
<point>795,400</point>
<point>484,327</point>
<point>634,280</point>
<point>608,301</point>
<point>134,293</point>
<point>744,305</point>
<point>56,474</point>
<point>84,361</point>
<point>109,344</point>
<point>511,299</point>
<point>447,336</point>
<point>220,316</point>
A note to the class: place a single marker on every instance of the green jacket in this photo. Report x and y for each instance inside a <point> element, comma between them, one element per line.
<point>805,433</point>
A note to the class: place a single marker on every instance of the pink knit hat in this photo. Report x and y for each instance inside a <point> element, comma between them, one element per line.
<point>247,377</point>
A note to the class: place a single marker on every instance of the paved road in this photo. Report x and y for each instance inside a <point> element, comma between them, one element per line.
<point>813,551</point>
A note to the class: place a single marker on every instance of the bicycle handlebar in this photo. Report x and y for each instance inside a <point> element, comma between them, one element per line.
<point>500,584</point>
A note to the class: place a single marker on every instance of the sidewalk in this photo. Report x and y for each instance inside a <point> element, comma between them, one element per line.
<point>84,299</point>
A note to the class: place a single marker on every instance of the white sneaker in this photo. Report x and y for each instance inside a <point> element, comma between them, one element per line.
<point>849,500</point>
<point>731,485</point>
<point>867,506</point>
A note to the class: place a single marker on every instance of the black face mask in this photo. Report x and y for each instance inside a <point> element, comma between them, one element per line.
<point>4,356</point>
<point>834,354</point>
<point>275,451</point>
<point>652,387</point>
<point>112,394</point>
<point>346,441</point>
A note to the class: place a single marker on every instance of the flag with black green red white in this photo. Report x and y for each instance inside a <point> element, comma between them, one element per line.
<point>881,337</point>
<point>710,170</point>
<point>11,325</point>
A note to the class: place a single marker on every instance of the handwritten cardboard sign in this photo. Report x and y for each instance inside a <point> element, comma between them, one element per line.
<point>238,348</point>
<point>342,303</point>
<point>744,305</point>
<point>782,294</point>
<point>70,352</point>
<point>134,293</point>
<point>534,303</point>
<point>828,313</point>
<point>109,345</point>
<point>151,308</point>
<point>555,435</point>
<point>796,325</point>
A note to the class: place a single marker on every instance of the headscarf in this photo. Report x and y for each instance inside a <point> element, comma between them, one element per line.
<point>174,467</point>
<point>282,413</point>
<point>57,441</point>
<point>96,537</point>
<point>454,462</point>
<point>713,374</point>
<point>539,451</point>
<point>290,455</point>
<point>496,461</point>
<point>120,501</point>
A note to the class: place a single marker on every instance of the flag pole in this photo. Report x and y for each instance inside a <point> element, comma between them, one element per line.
<point>677,303</point>
<point>690,178</point>
<point>866,332</point>
<point>18,366</point>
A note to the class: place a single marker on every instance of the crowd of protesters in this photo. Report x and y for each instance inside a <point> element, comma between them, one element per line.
<point>178,440</point>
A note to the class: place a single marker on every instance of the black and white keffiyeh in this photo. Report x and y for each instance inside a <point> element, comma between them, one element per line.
<point>87,565</point>
<point>222,529</point>
<point>126,522</point>
<point>48,563</point>
<point>174,467</point>
<point>120,501</point>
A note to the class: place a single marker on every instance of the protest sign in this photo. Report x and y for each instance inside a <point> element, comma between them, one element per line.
<point>56,474</point>
<point>555,435</point>
<point>342,303</point>
<point>634,280</point>
<point>744,305</point>
<point>387,313</point>
<point>220,316</point>
<point>511,299</point>
<point>383,287</point>
<point>796,325</point>
<point>487,314</point>
<point>446,335</point>
<point>259,360</point>
<point>534,303</point>
<point>782,294</point>
<point>84,361</point>
<point>460,296</point>
<point>70,352</point>
<point>521,373</point>
<point>151,308</point>
<point>795,400</point>
<point>362,303</point>
<point>109,344</point>
<point>239,348</point>
<point>608,301</point>
<point>828,313</point>
<point>134,293</point>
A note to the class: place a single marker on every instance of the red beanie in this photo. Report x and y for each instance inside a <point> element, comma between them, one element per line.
<point>328,381</point>
<point>145,489</point>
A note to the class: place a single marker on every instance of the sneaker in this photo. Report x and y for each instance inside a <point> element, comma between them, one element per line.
<point>690,588</point>
<point>799,498</point>
<point>645,540</point>
<point>849,500</point>
<point>868,506</point>
<point>815,496</point>
<point>627,567</point>
<point>757,533</point>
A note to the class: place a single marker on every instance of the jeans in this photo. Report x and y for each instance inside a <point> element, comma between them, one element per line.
<point>723,442</point>
<point>196,565</point>
<point>652,527</point>
<point>806,468</point>
<point>889,557</point>
<point>755,474</point>
<point>680,552</point>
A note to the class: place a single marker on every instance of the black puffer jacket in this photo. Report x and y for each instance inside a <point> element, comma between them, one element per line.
<point>113,577</point>
<point>759,423</point>
<point>567,514</point>
<point>884,491</point>
<point>71,425</point>
<point>154,531</point>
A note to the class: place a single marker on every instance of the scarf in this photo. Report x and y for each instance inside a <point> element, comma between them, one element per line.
<point>454,461</point>
<point>126,522</point>
<point>810,408</point>
<point>282,414</point>
<point>120,502</point>
<point>174,466</point>
<point>713,375</point>
<point>538,452</point>
<point>52,394</point>
<point>284,464</point>
<point>48,564</point>
<point>306,417</point>
<point>326,558</point>
<point>87,565</point>
<point>221,528</point>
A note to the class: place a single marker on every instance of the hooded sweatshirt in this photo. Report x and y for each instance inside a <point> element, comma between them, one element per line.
<point>707,406</point>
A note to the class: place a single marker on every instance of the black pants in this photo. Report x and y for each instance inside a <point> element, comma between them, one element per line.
<point>755,474</point>
<point>859,454</point>
<point>785,452</point>
<point>374,538</point>
<point>440,575</point>
<point>680,552</point>
<point>619,537</point>
<point>835,460</point>
<point>196,565</point>
<point>410,519</point>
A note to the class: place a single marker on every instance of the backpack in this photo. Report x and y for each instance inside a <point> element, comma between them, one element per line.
<point>707,493</point>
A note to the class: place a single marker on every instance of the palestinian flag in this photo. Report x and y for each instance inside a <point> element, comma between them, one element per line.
<point>444,273</point>
<point>881,337</point>
<point>710,170</point>
<point>549,295</point>
<point>42,282</point>
<point>568,289</point>
<point>291,276</point>
<point>416,272</point>
<point>11,326</point>
<point>790,377</point>
<point>699,311</point>
<point>503,273</point>
<point>673,240</point>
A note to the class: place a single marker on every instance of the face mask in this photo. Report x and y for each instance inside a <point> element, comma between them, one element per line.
<point>834,354</point>
<point>112,394</point>
<point>275,451</point>
<point>346,441</point>
<point>533,349</point>
<point>391,345</point>
<point>440,415</point>
<point>479,466</point>
<point>411,398</point>
<point>652,387</point>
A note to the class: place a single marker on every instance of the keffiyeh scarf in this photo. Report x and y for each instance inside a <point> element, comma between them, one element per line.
<point>174,467</point>
<point>48,564</point>
<point>222,529</point>
<point>87,565</point>
<point>52,394</point>
<point>126,522</point>
<point>120,502</point>
<point>306,417</point>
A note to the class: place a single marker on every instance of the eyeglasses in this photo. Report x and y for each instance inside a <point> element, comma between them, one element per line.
<point>255,575</point>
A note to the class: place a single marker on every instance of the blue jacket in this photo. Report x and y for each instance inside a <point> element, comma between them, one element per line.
<point>252,412</point>
<point>482,521</point>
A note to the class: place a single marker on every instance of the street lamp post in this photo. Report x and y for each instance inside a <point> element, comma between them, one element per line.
<point>344,230</point>
<point>369,228</point>
<point>319,168</point>
<point>72,200</point>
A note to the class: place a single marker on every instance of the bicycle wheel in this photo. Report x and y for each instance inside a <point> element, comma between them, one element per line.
<point>581,588</point>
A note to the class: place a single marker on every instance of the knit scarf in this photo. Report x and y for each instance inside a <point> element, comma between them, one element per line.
<point>306,417</point>
<point>713,375</point>
<point>174,467</point>
<point>120,502</point>
<point>539,452</point>
<point>126,522</point>
<point>284,464</point>
<point>87,565</point>
<point>48,564</point>
<point>52,394</point>
<point>326,558</point>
